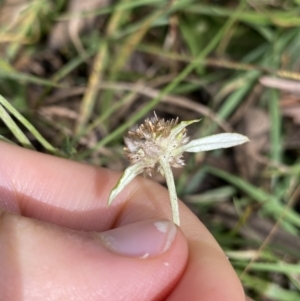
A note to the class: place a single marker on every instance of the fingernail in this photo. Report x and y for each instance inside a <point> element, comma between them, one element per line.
<point>142,239</point>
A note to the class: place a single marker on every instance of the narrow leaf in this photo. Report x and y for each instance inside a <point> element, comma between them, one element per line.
<point>129,173</point>
<point>177,129</point>
<point>29,126</point>
<point>208,143</point>
<point>16,131</point>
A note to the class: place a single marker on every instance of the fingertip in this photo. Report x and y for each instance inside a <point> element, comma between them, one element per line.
<point>208,274</point>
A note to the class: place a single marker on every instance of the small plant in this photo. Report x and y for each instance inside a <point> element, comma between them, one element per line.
<point>156,145</point>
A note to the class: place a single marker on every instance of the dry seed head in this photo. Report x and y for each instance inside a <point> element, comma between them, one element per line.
<point>152,141</point>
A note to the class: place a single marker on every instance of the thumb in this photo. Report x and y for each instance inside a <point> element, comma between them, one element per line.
<point>40,261</point>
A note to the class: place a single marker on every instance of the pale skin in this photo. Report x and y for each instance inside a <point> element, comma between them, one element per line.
<point>51,210</point>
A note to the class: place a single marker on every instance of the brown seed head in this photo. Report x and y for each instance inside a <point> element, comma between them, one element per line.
<point>152,141</point>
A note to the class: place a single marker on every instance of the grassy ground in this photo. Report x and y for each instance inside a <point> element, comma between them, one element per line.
<point>75,77</point>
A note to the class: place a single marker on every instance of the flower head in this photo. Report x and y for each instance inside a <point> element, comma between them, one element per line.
<point>154,139</point>
<point>158,144</point>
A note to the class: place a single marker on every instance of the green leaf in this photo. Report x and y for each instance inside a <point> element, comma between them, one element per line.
<point>10,123</point>
<point>29,127</point>
<point>177,129</point>
<point>208,143</point>
<point>130,173</point>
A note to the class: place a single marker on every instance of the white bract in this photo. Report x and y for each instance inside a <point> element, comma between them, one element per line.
<point>158,144</point>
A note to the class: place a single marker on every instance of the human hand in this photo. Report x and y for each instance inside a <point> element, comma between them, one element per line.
<point>52,245</point>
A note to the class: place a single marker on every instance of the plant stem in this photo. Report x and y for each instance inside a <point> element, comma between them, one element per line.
<point>172,190</point>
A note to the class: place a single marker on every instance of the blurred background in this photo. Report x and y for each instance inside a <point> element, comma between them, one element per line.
<point>76,75</point>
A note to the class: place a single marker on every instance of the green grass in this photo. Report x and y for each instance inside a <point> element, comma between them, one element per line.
<point>79,100</point>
